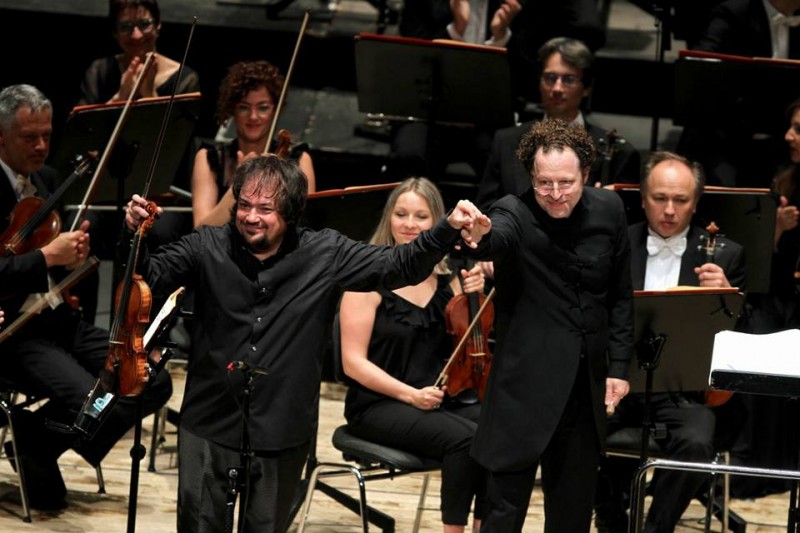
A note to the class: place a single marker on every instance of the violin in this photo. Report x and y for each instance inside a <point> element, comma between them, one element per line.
<point>713,398</point>
<point>34,222</point>
<point>127,357</point>
<point>468,318</point>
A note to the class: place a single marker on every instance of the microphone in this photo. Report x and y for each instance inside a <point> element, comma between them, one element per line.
<point>241,365</point>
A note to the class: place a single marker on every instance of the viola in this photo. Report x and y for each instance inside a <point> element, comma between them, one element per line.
<point>713,398</point>
<point>468,318</point>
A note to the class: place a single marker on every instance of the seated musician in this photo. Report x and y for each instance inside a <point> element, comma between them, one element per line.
<point>56,355</point>
<point>248,97</point>
<point>395,344</point>
<point>567,68</point>
<point>665,254</point>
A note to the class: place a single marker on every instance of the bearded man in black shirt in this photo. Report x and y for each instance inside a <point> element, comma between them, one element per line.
<point>265,294</point>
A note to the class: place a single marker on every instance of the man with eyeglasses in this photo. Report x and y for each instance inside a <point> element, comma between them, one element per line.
<point>566,80</point>
<point>665,254</point>
<point>564,325</point>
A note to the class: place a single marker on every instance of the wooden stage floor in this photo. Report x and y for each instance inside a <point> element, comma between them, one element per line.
<point>89,511</point>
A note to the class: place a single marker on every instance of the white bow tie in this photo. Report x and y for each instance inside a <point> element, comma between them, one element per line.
<point>24,188</point>
<point>656,244</point>
<point>792,20</point>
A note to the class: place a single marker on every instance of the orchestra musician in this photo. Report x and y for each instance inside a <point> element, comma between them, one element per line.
<point>247,101</point>
<point>136,26</point>
<point>566,76</point>
<point>394,344</point>
<point>265,289</point>
<point>564,329</point>
<point>56,355</point>
<point>667,251</point>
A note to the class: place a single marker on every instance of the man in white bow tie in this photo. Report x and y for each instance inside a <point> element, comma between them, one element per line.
<point>667,251</point>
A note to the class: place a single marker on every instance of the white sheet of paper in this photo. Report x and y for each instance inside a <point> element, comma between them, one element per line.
<point>773,353</point>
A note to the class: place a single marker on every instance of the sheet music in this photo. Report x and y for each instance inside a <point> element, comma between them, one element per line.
<point>773,353</point>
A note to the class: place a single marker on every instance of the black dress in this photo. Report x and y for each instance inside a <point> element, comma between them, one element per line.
<point>411,344</point>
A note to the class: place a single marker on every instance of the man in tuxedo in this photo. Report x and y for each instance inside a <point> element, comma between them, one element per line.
<point>56,355</point>
<point>567,68</point>
<point>667,251</point>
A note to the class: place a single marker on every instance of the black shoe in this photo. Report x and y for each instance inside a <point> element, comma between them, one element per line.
<point>608,520</point>
<point>43,481</point>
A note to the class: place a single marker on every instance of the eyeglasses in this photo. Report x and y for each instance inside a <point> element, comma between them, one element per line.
<point>126,26</point>
<point>547,187</point>
<point>262,110</point>
<point>567,80</point>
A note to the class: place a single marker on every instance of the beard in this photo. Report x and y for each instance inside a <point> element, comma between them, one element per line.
<point>260,244</point>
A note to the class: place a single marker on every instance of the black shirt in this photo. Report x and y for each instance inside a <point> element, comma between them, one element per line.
<point>274,314</point>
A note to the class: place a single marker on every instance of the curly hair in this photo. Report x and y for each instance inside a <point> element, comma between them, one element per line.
<point>243,77</point>
<point>556,134</point>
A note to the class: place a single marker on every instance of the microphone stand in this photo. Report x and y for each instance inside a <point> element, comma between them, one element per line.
<point>137,448</point>
<point>239,476</point>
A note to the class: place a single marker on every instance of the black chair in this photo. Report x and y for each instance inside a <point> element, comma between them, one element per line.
<point>368,461</point>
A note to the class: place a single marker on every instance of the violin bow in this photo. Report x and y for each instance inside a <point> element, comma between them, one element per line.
<point>442,379</point>
<point>165,119</point>
<point>103,162</point>
<point>286,79</point>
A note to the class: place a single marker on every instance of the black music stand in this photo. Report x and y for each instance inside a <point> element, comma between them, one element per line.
<point>354,211</point>
<point>742,100</point>
<point>746,216</point>
<point>674,333</point>
<point>686,322</point>
<point>435,81</point>
<point>89,128</point>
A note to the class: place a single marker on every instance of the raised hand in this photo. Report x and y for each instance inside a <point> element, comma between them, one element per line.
<point>460,10</point>
<point>503,17</point>
<point>472,223</point>
<point>135,212</point>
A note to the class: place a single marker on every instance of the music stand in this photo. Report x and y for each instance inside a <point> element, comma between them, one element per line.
<point>674,333</point>
<point>687,320</point>
<point>741,101</point>
<point>354,211</point>
<point>434,81</point>
<point>89,127</point>
<point>746,216</point>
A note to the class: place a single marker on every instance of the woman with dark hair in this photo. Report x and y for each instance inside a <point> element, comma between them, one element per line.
<point>247,100</point>
<point>135,25</point>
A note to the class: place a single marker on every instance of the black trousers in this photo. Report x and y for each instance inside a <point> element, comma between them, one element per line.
<point>58,356</point>
<point>569,472</point>
<point>203,485</point>
<point>693,433</point>
<point>444,434</point>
